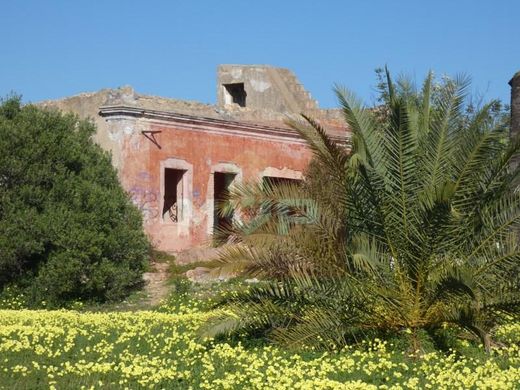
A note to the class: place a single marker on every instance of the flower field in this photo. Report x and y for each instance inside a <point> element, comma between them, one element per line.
<point>67,349</point>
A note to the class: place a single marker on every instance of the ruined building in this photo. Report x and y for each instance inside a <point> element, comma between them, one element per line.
<point>177,158</point>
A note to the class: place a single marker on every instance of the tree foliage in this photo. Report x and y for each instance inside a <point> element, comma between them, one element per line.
<point>413,227</point>
<point>67,229</point>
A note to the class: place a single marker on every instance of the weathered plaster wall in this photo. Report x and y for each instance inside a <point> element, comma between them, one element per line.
<point>204,152</point>
<point>202,139</point>
<point>86,106</point>
<point>274,95</point>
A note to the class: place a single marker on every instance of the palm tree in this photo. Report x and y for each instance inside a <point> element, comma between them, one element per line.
<point>412,226</point>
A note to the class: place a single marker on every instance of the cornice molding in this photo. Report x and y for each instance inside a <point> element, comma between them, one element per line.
<point>201,123</point>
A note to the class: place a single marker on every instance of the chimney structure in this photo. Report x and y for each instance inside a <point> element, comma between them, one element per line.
<point>515,111</point>
<point>515,104</point>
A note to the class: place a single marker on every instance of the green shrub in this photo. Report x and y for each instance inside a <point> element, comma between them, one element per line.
<point>68,230</point>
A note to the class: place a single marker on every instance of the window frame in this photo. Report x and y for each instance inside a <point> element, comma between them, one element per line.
<point>185,203</point>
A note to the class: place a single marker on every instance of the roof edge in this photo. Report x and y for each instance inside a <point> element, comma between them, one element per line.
<point>186,119</point>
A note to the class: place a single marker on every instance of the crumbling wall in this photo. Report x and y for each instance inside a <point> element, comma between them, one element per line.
<point>86,106</point>
<point>266,88</point>
<point>149,135</point>
<point>272,96</point>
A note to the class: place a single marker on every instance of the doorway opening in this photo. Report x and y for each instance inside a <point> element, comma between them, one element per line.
<point>173,195</point>
<point>221,185</point>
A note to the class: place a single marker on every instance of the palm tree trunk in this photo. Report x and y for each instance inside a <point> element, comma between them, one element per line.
<point>484,338</point>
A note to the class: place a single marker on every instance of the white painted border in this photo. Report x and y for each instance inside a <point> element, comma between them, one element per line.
<point>223,167</point>
<point>187,191</point>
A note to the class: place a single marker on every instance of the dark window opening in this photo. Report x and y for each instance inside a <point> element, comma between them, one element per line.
<point>222,183</point>
<point>172,209</point>
<point>237,93</point>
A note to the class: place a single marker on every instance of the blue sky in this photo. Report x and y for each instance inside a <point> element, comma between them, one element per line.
<point>52,49</point>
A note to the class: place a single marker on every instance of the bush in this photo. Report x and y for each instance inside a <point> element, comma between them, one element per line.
<point>68,230</point>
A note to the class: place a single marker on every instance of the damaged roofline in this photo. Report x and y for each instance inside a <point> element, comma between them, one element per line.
<point>199,122</point>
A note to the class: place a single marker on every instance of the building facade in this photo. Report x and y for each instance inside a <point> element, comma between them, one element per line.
<point>177,159</point>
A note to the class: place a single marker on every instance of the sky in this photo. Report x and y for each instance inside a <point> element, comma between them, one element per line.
<point>51,49</point>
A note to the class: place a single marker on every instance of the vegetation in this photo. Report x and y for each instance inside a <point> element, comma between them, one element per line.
<point>67,229</point>
<point>411,229</point>
<point>160,349</point>
<point>398,254</point>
